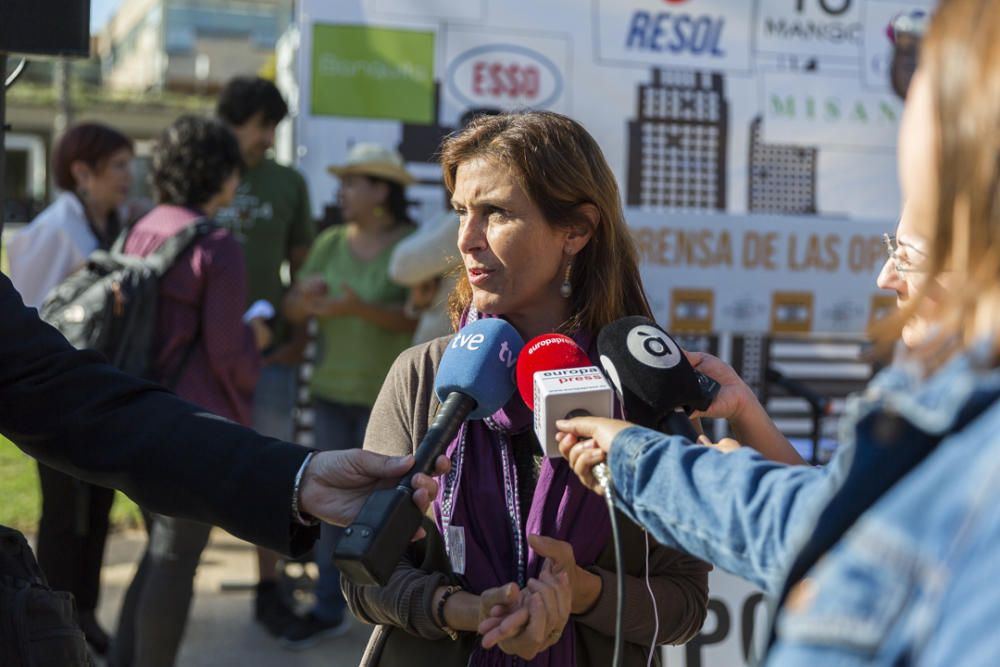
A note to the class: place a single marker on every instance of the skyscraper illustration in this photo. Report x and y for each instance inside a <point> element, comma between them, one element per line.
<point>677,143</point>
<point>782,177</point>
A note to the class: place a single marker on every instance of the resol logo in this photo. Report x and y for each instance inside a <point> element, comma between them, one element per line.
<point>675,32</point>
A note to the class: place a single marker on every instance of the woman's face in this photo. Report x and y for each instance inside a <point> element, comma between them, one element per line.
<point>905,272</point>
<point>514,259</point>
<point>359,196</point>
<point>108,186</point>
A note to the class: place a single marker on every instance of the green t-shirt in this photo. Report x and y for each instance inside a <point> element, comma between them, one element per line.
<point>354,355</point>
<point>269,216</point>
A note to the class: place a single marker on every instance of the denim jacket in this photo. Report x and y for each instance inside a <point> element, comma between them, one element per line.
<point>911,582</point>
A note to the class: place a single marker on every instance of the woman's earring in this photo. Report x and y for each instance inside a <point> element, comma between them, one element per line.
<point>83,194</point>
<point>566,288</point>
<point>378,211</point>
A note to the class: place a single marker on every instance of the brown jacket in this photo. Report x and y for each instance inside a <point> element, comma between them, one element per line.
<point>407,633</point>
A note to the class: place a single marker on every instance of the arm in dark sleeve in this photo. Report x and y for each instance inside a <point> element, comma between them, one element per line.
<point>736,510</point>
<point>398,420</point>
<point>406,601</point>
<point>679,584</point>
<point>72,411</point>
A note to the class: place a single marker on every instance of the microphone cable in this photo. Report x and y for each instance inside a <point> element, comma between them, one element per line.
<point>603,476</point>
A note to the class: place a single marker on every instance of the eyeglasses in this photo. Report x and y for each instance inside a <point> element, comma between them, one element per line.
<point>903,265</point>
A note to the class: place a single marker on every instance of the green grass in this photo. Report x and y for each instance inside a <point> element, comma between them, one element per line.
<point>20,500</point>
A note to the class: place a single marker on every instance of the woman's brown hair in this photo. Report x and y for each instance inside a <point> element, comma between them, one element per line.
<point>560,167</point>
<point>960,64</point>
<point>89,143</point>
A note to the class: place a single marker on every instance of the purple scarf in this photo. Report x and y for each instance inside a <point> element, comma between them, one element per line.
<point>478,505</point>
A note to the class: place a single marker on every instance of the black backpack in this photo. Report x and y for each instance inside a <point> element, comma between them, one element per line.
<point>110,305</point>
<point>38,626</point>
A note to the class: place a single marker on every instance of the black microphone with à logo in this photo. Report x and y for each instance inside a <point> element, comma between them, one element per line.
<point>656,383</point>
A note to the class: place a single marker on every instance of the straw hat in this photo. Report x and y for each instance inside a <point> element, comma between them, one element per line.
<point>374,160</point>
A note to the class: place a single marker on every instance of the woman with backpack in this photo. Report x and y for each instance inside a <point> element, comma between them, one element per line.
<point>91,167</point>
<point>202,348</point>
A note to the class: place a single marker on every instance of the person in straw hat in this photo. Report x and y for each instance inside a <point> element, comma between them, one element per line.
<point>344,284</point>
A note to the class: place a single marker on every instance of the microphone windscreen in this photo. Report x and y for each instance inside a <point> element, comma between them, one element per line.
<point>643,361</point>
<point>479,362</point>
<point>547,352</point>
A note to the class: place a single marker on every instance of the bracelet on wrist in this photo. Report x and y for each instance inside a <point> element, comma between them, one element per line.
<point>448,592</point>
<point>297,515</point>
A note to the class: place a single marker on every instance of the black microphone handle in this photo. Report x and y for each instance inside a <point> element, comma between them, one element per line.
<point>370,548</point>
<point>442,430</point>
<point>677,423</point>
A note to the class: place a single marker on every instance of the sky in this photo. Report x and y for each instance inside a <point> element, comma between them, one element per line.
<point>100,12</point>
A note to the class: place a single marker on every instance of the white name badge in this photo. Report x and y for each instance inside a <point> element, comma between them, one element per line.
<point>456,548</point>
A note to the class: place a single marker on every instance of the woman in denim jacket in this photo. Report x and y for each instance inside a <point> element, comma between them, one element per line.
<point>886,557</point>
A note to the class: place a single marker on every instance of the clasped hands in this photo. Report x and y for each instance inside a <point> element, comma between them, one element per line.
<point>526,621</point>
<point>315,300</point>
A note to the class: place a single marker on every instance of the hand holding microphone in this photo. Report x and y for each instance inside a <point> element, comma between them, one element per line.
<point>474,380</point>
<point>556,381</point>
<point>657,386</point>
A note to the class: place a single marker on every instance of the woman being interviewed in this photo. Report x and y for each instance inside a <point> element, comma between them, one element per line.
<point>537,203</point>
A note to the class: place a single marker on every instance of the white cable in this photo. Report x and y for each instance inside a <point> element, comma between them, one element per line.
<point>652,598</point>
<point>603,476</point>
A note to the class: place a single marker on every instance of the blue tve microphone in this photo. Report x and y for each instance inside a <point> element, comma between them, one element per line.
<point>474,380</point>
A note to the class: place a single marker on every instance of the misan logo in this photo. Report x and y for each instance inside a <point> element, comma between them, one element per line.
<point>676,32</point>
<point>504,75</point>
<point>832,109</point>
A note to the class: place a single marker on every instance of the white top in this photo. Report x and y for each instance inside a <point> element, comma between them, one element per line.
<point>55,244</point>
<point>430,251</point>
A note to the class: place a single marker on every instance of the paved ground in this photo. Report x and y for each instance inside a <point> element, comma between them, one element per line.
<point>221,631</point>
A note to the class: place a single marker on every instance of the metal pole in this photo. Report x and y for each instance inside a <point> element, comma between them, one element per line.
<point>64,104</point>
<point>3,141</point>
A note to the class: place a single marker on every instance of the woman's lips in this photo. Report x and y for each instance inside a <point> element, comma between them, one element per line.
<point>478,276</point>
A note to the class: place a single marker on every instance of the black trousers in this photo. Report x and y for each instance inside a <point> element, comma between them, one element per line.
<point>71,535</point>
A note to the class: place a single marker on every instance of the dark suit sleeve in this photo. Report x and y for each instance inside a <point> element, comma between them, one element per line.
<point>76,413</point>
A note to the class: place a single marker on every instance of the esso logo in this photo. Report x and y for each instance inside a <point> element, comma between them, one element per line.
<point>504,76</point>
<point>652,347</point>
<point>675,2</point>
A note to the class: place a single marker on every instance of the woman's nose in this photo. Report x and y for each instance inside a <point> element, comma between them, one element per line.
<point>889,278</point>
<point>471,235</point>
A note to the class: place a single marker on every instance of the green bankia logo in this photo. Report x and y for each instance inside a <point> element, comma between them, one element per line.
<point>368,72</point>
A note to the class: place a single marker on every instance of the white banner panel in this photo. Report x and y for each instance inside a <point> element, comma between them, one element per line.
<point>709,34</point>
<point>495,69</point>
<point>828,111</point>
<point>735,631</point>
<point>753,141</point>
<point>811,28</point>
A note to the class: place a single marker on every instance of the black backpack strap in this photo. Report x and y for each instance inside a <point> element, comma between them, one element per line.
<point>163,257</point>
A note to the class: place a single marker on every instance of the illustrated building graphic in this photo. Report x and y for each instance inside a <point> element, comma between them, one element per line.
<point>677,143</point>
<point>782,177</point>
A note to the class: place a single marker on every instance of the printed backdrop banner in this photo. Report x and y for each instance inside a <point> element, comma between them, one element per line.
<point>753,140</point>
